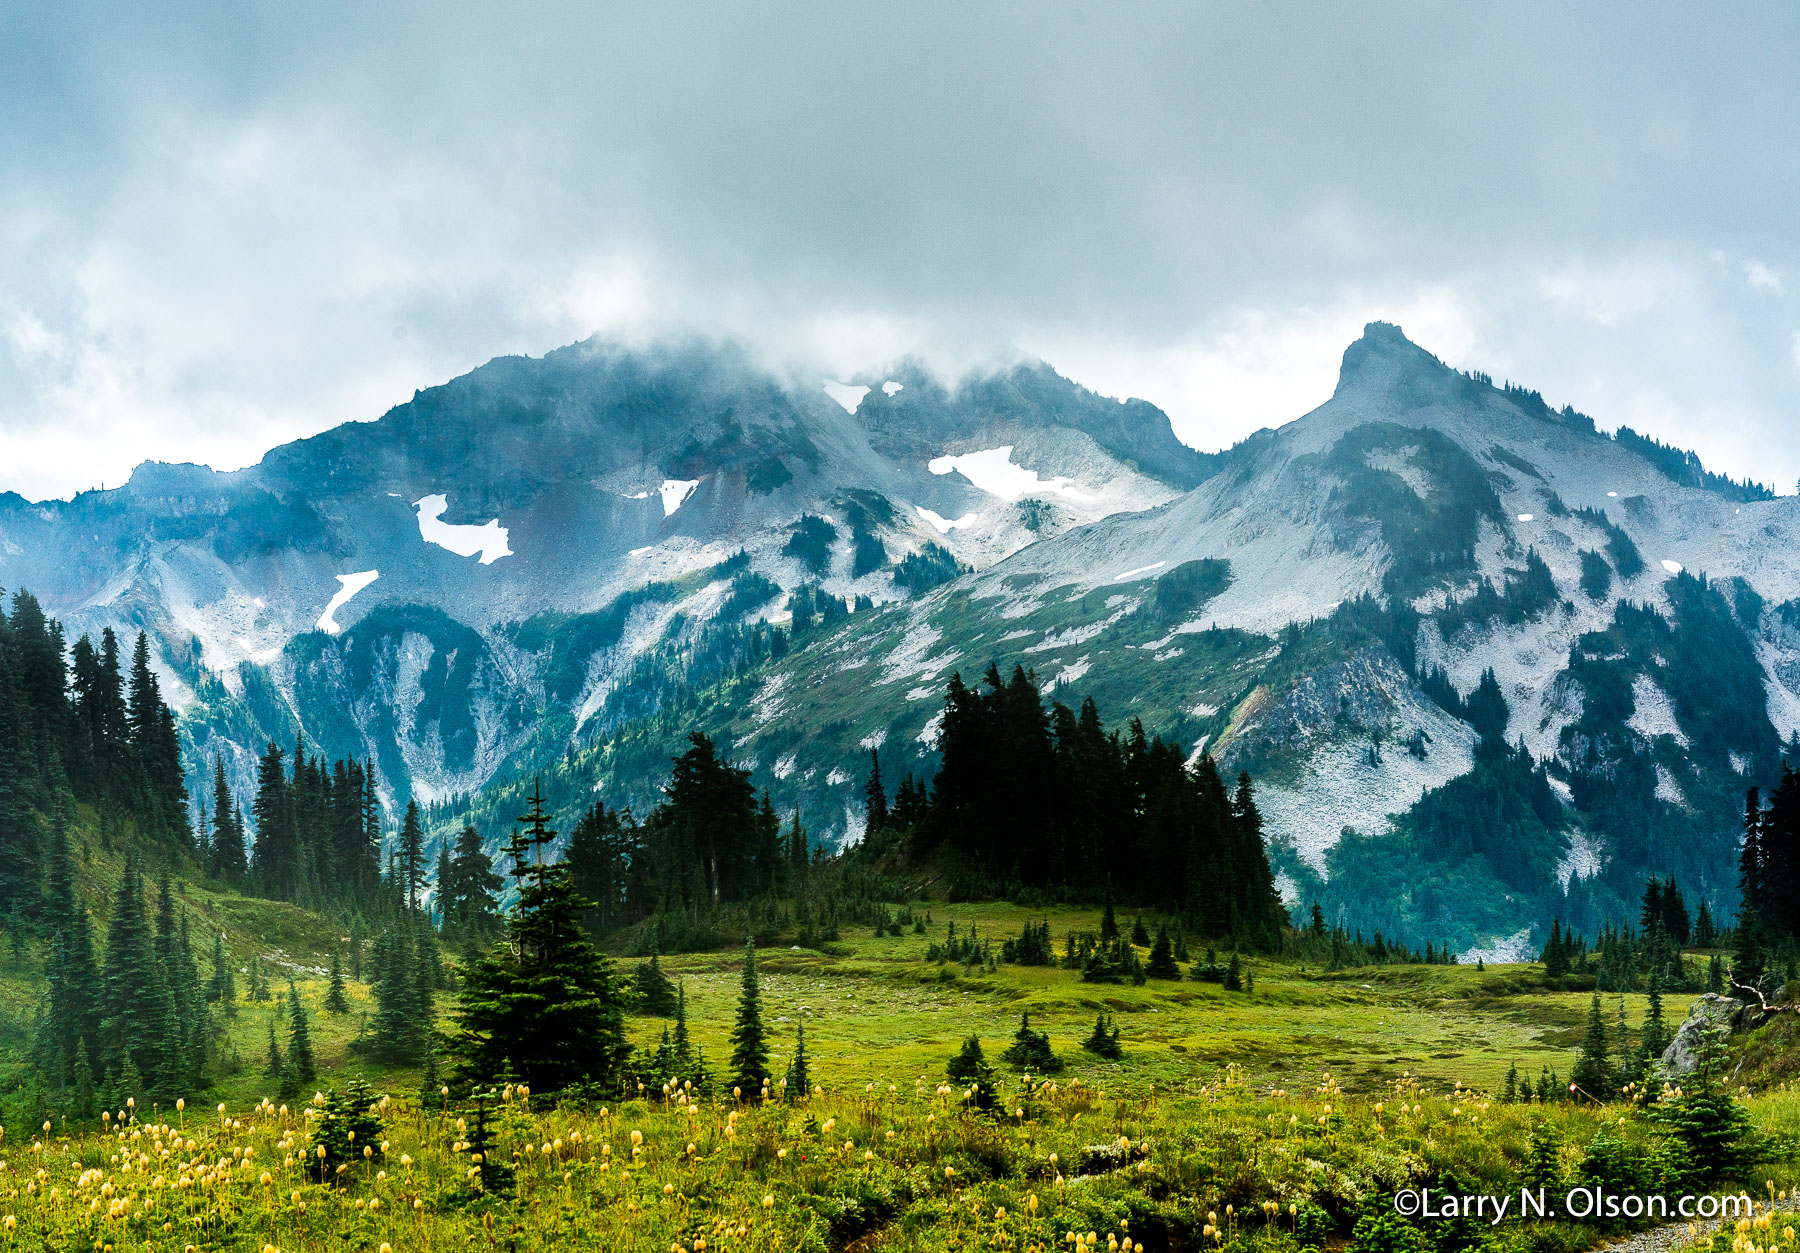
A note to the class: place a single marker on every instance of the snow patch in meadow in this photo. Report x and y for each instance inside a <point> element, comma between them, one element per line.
<point>1070,673</point>
<point>945,525</point>
<point>488,539</point>
<point>890,387</point>
<point>1653,714</point>
<point>994,472</point>
<point>874,741</point>
<point>351,585</point>
<point>675,492</point>
<point>921,693</point>
<point>784,767</point>
<point>838,777</point>
<point>1673,567</point>
<point>1203,710</point>
<point>1739,762</point>
<point>1527,517</point>
<point>846,395</point>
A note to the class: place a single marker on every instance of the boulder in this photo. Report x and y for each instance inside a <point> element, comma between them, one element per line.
<point>1710,1010</point>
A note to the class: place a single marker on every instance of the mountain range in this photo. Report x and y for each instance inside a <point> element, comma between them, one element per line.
<point>1488,664</point>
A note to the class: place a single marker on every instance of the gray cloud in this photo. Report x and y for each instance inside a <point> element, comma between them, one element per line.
<point>225,226</point>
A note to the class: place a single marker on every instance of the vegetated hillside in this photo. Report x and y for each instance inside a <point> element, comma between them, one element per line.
<point>1323,611</point>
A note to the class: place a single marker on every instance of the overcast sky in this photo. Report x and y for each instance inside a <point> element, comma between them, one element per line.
<point>225,226</point>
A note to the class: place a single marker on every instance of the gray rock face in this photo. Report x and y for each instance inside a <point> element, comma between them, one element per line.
<point>1683,1054</point>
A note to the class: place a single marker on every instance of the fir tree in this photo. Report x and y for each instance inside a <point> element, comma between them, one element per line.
<point>798,1083</point>
<point>412,854</point>
<point>300,1069</point>
<point>275,1065</point>
<point>546,1002</point>
<point>875,796</point>
<point>1162,957</point>
<point>1103,1040</point>
<point>1109,924</point>
<point>654,993</point>
<point>970,1067</point>
<point>1592,1075</point>
<point>1030,1050</point>
<point>336,1002</point>
<point>1706,1118</point>
<point>749,1044</point>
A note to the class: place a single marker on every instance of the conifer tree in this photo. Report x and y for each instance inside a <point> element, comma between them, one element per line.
<point>336,1002</point>
<point>798,1085</point>
<point>412,854</point>
<point>875,796</point>
<point>223,987</point>
<point>749,1044</point>
<point>1712,1125</point>
<point>1109,924</point>
<point>547,1003</point>
<point>226,858</point>
<point>137,1030</point>
<point>274,1065</point>
<point>300,1069</point>
<point>655,994</point>
<point>1591,1074</point>
<point>1103,1040</point>
<point>1655,1034</point>
<point>1162,957</point>
<point>1706,931</point>
<point>970,1067</point>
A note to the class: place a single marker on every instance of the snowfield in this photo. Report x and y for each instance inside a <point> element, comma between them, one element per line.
<point>488,539</point>
<point>352,584</point>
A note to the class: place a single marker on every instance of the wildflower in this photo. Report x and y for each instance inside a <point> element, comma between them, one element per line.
<point>768,1202</point>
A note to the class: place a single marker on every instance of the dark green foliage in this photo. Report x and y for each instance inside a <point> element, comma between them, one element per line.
<point>1712,1125</point>
<point>1103,1040</point>
<point>1031,1051</point>
<point>301,1067</point>
<point>797,1084</point>
<point>495,1176</point>
<point>336,1002</point>
<point>1381,1230</point>
<point>349,1122</point>
<point>811,543</point>
<point>1596,575</point>
<point>1685,467</point>
<point>749,1042</point>
<point>545,1004</point>
<point>1592,1073</point>
<point>970,1068</point>
<point>1162,957</point>
<point>317,831</point>
<point>654,994</point>
<point>1047,799</point>
<point>749,591</point>
<point>1430,537</point>
<point>467,894</point>
<point>1032,948</point>
<point>1529,593</point>
<point>933,564</point>
<point>1502,810</point>
<point>1183,591</point>
<point>711,841</point>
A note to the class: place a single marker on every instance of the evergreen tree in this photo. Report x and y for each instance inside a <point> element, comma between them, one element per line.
<point>749,1043</point>
<point>1162,957</point>
<point>412,854</point>
<point>1706,931</point>
<point>336,1002</point>
<point>226,858</point>
<point>1706,1118</point>
<point>1655,1035</point>
<point>1749,965</point>
<point>798,1084</point>
<point>275,1065</point>
<point>546,1003</point>
<point>875,796</point>
<point>1030,1050</point>
<point>300,1069</point>
<point>1592,1074</point>
<point>223,987</point>
<point>467,897</point>
<point>1103,1040</point>
<point>655,994</point>
<point>970,1067</point>
<point>139,1026</point>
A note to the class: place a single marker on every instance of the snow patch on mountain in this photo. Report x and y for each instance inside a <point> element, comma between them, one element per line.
<point>943,525</point>
<point>489,539</point>
<point>994,472</point>
<point>352,584</point>
<point>850,396</point>
<point>675,492</point>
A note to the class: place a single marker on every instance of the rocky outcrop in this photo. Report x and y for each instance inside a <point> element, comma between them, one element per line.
<point>1712,1010</point>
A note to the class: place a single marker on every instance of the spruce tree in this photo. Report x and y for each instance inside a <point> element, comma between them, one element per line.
<point>274,1065</point>
<point>336,1002</point>
<point>749,1043</point>
<point>1109,924</point>
<point>1591,1074</point>
<point>655,994</point>
<point>875,796</point>
<point>1162,957</point>
<point>546,1003</point>
<point>301,1068</point>
<point>798,1085</point>
<point>1706,1118</point>
<point>412,854</point>
<point>1103,1040</point>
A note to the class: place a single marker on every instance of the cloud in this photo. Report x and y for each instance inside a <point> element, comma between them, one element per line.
<point>216,236</point>
<point>1761,278</point>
